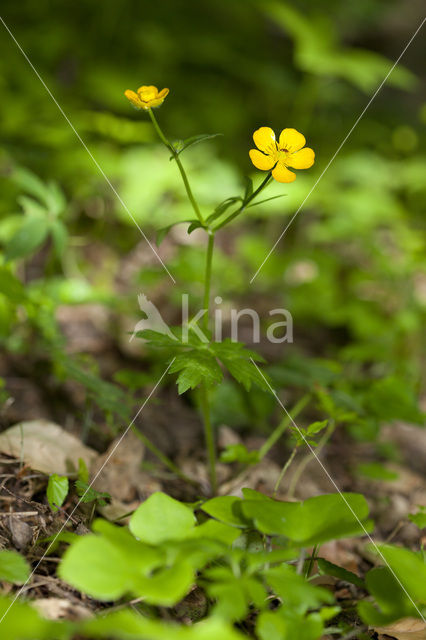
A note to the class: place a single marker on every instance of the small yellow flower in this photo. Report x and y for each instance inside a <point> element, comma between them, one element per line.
<point>287,152</point>
<point>146,97</point>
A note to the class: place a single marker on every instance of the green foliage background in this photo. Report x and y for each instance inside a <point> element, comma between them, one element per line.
<point>351,267</point>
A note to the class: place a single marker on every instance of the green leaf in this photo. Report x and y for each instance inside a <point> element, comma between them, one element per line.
<point>419,518</point>
<point>83,471</point>
<point>222,207</point>
<point>13,567</point>
<point>214,530</point>
<point>314,521</point>
<point>295,591</point>
<point>233,594</point>
<point>57,491</point>
<point>10,286</point>
<point>28,238</point>
<point>390,601</point>
<point>88,494</point>
<point>410,569</point>
<point>238,360</point>
<point>329,569</point>
<point>376,471</point>
<point>280,625</point>
<point>161,518</point>
<point>254,204</point>
<point>135,626</point>
<point>182,145</point>
<point>226,509</point>
<point>196,367</point>
<point>20,621</point>
<point>59,236</point>
<point>239,453</point>
<point>248,191</point>
<point>112,564</point>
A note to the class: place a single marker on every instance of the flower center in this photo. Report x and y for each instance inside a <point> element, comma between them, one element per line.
<point>283,154</point>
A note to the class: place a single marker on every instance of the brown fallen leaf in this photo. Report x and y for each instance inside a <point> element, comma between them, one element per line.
<point>404,629</point>
<point>60,609</point>
<point>45,446</point>
<point>118,472</point>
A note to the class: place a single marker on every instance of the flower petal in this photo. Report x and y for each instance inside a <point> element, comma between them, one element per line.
<point>133,97</point>
<point>163,93</point>
<point>302,159</point>
<point>264,139</point>
<point>291,140</point>
<point>148,88</point>
<point>282,174</point>
<point>153,103</point>
<point>261,161</point>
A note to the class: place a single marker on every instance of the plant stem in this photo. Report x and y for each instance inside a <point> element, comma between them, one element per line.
<point>205,404</point>
<point>307,459</point>
<point>179,164</point>
<point>284,469</point>
<point>245,203</point>
<point>312,559</point>
<point>208,434</point>
<point>208,278</point>
<point>161,456</point>
<point>285,422</point>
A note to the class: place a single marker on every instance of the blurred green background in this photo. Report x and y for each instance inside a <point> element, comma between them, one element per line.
<point>351,268</point>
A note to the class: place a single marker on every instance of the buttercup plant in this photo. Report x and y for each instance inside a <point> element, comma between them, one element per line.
<point>197,362</point>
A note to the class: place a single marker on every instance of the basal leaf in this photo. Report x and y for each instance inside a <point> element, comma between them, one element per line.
<point>57,491</point>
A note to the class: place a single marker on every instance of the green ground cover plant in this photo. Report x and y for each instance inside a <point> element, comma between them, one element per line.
<point>193,560</point>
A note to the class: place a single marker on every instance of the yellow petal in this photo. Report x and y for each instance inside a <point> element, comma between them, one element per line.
<point>302,159</point>
<point>291,140</point>
<point>148,89</point>
<point>154,103</point>
<point>282,174</point>
<point>264,139</point>
<point>261,161</point>
<point>163,93</point>
<point>133,97</point>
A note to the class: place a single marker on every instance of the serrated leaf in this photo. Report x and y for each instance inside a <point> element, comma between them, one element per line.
<point>57,491</point>
<point>196,367</point>
<point>238,360</point>
<point>88,494</point>
<point>158,339</point>
<point>28,238</point>
<point>181,145</point>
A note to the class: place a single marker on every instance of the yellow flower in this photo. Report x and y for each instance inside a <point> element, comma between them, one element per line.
<point>287,152</point>
<point>146,97</point>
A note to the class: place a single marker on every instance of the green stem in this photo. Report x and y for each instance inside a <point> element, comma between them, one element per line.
<point>310,456</point>
<point>311,561</point>
<point>160,455</point>
<point>208,278</point>
<point>285,422</point>
<point>238,211</point>
<point>205,404</point>
<point>179,164</point>
<point>208,434</point>
<point>283,470</point>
